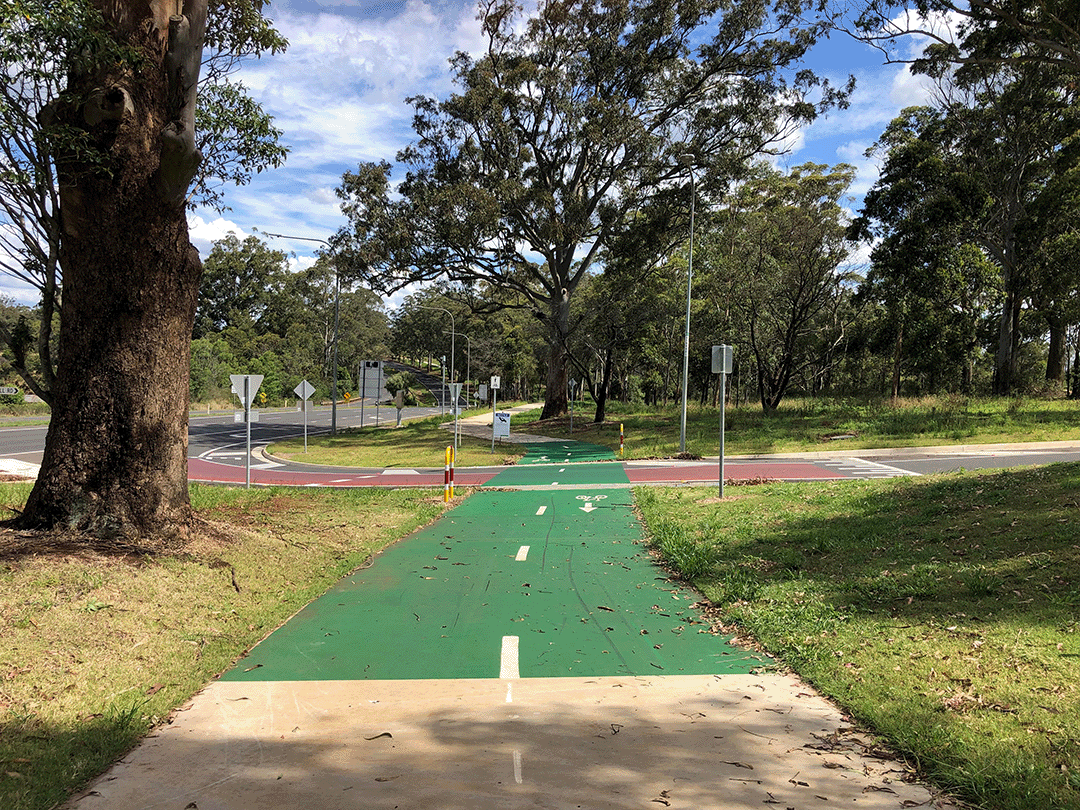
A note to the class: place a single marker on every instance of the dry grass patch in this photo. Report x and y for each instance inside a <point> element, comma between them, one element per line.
<point>98,646</point>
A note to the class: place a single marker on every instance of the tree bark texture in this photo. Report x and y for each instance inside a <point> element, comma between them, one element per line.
<point>115,462</point>
<point>555,397</point>
<point>1056,353</point>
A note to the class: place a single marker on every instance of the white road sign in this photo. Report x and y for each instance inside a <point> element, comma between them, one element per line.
<point>304,389</point>
<point>254,381</point>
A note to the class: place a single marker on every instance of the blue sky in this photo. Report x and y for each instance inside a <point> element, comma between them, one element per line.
<point>338,93</point>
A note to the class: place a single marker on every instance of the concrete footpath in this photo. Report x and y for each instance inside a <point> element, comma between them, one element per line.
<point>521,652</point>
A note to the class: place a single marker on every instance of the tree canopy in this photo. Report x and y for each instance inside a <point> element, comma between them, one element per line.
<point>571,128</point>
<point>43,43</point>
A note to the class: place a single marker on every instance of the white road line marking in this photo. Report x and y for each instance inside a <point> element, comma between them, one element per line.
<point>541,511</point>
<point>562,469</point>
<point>510,692</point>
<point>508,659</point>
<point>517,767</point>
<point>523,552</point>
<point>554,483</point>
<point>886,468</point>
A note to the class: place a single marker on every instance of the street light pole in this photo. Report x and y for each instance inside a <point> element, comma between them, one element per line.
<point>468,363</point>
<point>451,314</point>
<point>337,315</point>
<point>686,339</point>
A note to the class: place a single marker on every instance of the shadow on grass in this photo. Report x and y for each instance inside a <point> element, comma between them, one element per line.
<point>35,754</point>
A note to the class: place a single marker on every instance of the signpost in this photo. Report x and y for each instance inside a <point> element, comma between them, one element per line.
<point>722,362</point>
<point>442,396</point>
<point>494,396</point>
<point>377,366</point>
<point>246,386</point>
<point>304,390</point>
<point>455,399</point>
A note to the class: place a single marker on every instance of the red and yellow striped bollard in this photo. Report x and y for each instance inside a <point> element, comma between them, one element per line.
<point>448,475</point>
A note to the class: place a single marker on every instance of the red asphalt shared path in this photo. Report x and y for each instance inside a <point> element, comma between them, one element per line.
<point>674,472</point>
<point>211,472</point>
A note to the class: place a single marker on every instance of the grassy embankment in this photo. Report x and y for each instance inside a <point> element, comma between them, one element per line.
<point>943,612</point>
<point>825,424</point>
<point>96,648</point>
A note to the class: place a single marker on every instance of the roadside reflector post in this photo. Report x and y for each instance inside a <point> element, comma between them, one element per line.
<point>448,475</point>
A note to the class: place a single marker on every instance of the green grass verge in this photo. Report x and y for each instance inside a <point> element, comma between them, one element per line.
<point>95,649</point>
<point>943,612</point>
<point>798,426</point>
<point>820,424</point>
<point>417,443</point>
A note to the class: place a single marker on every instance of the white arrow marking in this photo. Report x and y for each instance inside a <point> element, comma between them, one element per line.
<point>587,508</point>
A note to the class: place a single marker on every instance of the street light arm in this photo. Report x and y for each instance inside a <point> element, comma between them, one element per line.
<point>299,238</point>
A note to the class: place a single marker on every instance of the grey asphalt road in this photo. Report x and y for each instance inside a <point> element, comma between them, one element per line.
<point>219,437</point>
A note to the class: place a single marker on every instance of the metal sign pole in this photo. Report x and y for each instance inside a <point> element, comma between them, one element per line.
<point>494,396</point>
<point>303,404</point>
<point>723,398</point>
<point>363,389</point>
<point>572,386</point>
<point>247,419</point>
<point>722,364</point>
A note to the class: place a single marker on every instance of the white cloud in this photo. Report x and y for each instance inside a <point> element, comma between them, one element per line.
<point>20,292</point>
<point>338,94</point>
<point>911,90</point>
<point>867,169</point>
<point>203,233</point>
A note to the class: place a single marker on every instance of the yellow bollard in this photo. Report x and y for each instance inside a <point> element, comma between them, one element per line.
<point>448,475</point>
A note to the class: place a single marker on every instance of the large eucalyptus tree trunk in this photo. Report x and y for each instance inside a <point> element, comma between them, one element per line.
<point>555,396</point>
<point>115,463</point>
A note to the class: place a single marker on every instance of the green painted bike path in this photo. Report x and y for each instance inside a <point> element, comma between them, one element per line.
<point>559,577</point>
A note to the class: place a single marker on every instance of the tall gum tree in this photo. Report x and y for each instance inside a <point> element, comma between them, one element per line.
<point>115,462</point>
<point>567,128</point>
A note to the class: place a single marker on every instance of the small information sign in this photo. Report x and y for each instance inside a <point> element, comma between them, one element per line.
<point>502,425</point>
